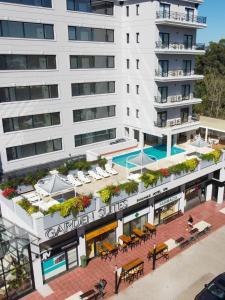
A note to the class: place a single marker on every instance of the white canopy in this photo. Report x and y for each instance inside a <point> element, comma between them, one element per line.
<point>53,184</point>
<point>199,142</point>
<point>141,159</point>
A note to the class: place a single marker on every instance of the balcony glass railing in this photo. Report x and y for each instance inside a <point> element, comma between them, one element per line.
<point>179,46</point>
<point>172,15</point>
<point>178,121</point>
<point>174,73</point>
<point>172,99</point>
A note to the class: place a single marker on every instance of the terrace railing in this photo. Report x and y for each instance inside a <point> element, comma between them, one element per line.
<point>174,73</point>
<point>179,46</point>
<point>176,16</point>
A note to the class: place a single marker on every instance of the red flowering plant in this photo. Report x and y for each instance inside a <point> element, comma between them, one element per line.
<point>86,201</point>
<point>9,193</point>
<point>165,172</point>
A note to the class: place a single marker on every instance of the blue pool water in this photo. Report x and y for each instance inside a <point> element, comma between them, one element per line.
<point>156,152</point>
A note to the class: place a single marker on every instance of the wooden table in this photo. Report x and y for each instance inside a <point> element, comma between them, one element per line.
<point>109,247</point>
<point>124,238</point>
<point>160,248</point>
<point>132,264</point>
<point>150,227</point>
<point>138,232</point>
<point>88,294</point>
<point>194,230</point>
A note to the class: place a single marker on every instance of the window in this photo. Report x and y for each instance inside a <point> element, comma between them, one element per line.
<point>128,111</point>
<point>94,113</point>
<point>127,11</point>
<point>24,93</point>
<point>137,9</point>
<point>137,113</point>
<point>128,64</point>
<point>128,88</point>
<point>91,6</point>
<point>164,39</point>
<point>27,62</point>
<point>90,34</point>
<point>128,38</point>
<point>163,68</point>
<point>186,67</point>
<point>164,10</point>
<point>184,113</point>
<point>90,88</point>
<point>29,122</point>
<point>44,3</point>
<point>137,37</point>
<point>87,62</point>
<point>26,30</point>
<point>33,149</point>
<point>137,89</point>
<point>189,14</point>
<point>137,63</point>
<point>188,41</point>
<point>162,119</point>
<point>94,137</point>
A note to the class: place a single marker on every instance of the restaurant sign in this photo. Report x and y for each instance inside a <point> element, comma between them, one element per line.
<point>168,200</point>
<point>83,220</point>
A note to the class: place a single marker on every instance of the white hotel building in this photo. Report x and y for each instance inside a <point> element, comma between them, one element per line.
<point>76,75</point>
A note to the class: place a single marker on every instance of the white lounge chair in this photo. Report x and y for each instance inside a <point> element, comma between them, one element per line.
<point>73,180</point>
<point>82,177</point>
<point>110,170</point>
<point>94,175</point>
<point>135,177</point>
<point>101,172</point>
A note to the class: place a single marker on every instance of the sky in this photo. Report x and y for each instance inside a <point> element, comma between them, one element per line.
<point>214,10</point>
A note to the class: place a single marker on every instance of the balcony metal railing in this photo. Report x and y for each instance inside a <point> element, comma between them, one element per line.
<point>174,73</point>
<point>172,99</point>
<point>172,15</point>
<point>177,121</point>
<point>179,46</point>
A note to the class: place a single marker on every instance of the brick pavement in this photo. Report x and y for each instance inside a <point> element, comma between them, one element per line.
<point>83,279</point>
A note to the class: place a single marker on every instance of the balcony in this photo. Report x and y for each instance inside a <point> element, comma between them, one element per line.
<point>179,48</point>
<point>176,75</point>
<point>177,100</point>
<point>191,122</point>
<point>180,19</point>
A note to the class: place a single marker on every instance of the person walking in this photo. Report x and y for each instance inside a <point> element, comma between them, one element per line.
<point>190,222</point>
<point>101,287</point>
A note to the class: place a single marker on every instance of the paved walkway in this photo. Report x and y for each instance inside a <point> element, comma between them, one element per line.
<point>184,276</point>
<point>83,279</point>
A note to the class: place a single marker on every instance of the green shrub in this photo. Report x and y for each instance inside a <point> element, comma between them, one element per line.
<point>129,187</point>
<point>27,206</point>
<point>212,156</point>
<point>102,162</point>
<point>63,170</point>
<point>82,165</point>
<point>108,192</point>
<point>151,177</point>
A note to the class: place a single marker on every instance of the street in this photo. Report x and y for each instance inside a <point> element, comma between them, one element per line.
<point>182,277</point>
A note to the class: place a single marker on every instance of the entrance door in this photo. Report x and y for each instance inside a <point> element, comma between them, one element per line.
<point>162,118</point>
<point>188,41</point>
<point>164,39</point>
<point>186,67</point>
<point>164,10</point>
<point>137,135</point>
<point>189,14</point>
<point>163,68</point>
<point>184,113</point>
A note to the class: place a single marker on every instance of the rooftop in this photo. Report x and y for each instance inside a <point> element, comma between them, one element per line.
<point>212,123</point>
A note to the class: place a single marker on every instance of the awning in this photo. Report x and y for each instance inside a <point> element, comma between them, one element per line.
<point>141,159</point>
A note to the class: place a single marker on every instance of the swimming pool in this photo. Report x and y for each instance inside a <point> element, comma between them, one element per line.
<point>157,152</point>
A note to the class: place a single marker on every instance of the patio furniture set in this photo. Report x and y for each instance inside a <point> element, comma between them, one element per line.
<point>160,250</point>
<point>98,174</point>
<point>132,270</point>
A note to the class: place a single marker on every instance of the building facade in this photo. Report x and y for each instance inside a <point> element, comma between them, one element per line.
<point>77,74</point>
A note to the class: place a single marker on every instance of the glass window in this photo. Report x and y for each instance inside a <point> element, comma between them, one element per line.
<point>12,29</point>
<point>110,35</point>
<point>83,5</point>
<point>100,61</point>
<point>8,125</point>
<point>22,92</point>
<point>41,120</point>
<point>99,35</point>
<point>111,86</point>
<point>44,3</point>
<point>41,148</point>
<point>4,95</point>
<point>55,118</point>
<point>16,62</point>
<point>53,91</point>
<point>86,62</point>
<point>51,61</point>
<point>83,34</point>
<point>70,4</point>
<point>48,31</point>
<point>101,88</point>
<point>34,30</point>
<point>94,137</point>
<point>110,62</point>
<point>72,32</point>
<point>57,144</point>
<point>36,91</point>
<point>91,6</point>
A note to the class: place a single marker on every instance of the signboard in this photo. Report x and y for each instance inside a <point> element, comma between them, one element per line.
<point>168,200</point>
<point>83,220</point>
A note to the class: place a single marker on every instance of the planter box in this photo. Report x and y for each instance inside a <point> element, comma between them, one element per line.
<point>162,181</point>
<point>206,164</point>
<point>90,208</point>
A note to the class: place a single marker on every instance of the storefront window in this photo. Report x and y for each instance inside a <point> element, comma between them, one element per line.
<point>136,223</point>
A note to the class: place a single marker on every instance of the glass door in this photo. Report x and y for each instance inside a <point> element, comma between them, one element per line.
<point>162,118</point>
<point>185,91</point>
<point>163,68</point>
<point>184,114</point>
<point>164,10</point>
<point>164,39</point>
<point>188,41</point>
<point>186,67</point>
<point>163,94</point>
<point>72,258</point>
<point>189,14</point>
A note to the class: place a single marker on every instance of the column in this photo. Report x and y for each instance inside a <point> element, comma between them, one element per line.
<point>175,139</point>
<point>206,134</point>
<point>220,194</point>
<point>37,270</point>
<point>208,195</point>
<point>142,142</point>
<point>169,141</point>
<point>151,214</point>
<point>119,229</point>
<point>182,202</point>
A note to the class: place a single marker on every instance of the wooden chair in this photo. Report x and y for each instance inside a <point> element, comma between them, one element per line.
<point>137,241</point>
<point>103,254</point>
<point>124,247</point>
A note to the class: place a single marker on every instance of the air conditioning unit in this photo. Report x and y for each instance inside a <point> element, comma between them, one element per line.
<point>179,98</point>
<point>178,121</point>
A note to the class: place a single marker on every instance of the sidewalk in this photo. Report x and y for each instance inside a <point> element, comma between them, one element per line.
<point>83,279</point>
